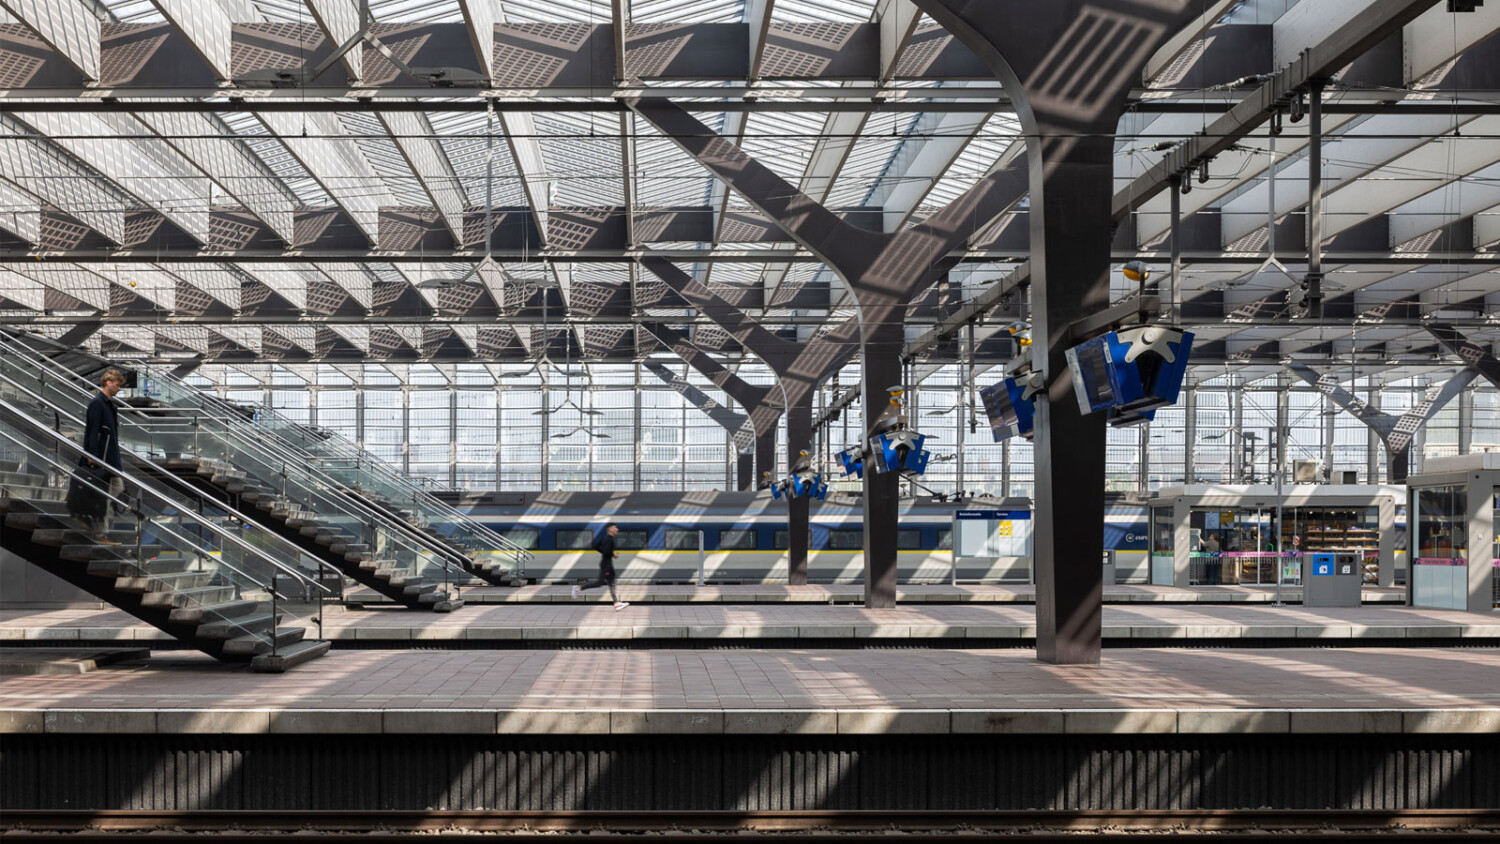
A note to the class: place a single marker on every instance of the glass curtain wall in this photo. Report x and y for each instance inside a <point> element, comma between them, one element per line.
<point>619,426</point>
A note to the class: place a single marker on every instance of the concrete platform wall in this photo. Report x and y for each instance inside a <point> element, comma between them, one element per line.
<point>696,772</point>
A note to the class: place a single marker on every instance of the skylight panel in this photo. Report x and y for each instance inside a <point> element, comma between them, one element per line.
<point>278,159</point>
<point>558,11</point>
<point>978,157</point>
<point>824,11</point>
<point>371,138</point>
<point>674,11</point>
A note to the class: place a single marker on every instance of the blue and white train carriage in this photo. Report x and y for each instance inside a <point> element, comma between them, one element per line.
<point>743,537</point>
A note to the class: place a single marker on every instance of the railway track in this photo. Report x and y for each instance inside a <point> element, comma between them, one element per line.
<point>806,827</point>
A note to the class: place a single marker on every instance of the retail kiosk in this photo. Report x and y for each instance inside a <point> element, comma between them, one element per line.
<point>1455,517</point>
<point>1212,534</point>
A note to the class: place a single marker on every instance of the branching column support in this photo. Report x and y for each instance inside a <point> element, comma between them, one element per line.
<point>885,272</point>
<point>799,369</point>
<point>1474,356</point>
<point>1395,432</point>
<point>762,406</point>
<point>1069,91</point>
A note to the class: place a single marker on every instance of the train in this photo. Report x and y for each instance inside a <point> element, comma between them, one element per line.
<point>736,537</point>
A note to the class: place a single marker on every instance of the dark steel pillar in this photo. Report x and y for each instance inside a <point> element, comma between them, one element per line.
<point>744,471</point>
<point>1068,65</point>
<point>1070,219</point>
<point>765,456</point>
<point>882,492</point>
<point>799,510</point>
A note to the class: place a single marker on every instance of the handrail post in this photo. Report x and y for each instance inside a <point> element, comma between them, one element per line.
<point>274,628</point>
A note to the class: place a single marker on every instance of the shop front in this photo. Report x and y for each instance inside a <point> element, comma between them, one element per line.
<point>1227,535</point>
<point>1455,520</point>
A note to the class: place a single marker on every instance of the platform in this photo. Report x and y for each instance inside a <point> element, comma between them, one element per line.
<point>797,691</point>
<point>853,593</point>
<point>548,624</point>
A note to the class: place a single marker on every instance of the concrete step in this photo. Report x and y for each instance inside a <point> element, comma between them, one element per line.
<point>164,583</point>
<point>233,628</point>
<point>151,567</point>
<point>289,656</point>
<point>219,612</point>
<point>196,596</point>
<point>250,645</point>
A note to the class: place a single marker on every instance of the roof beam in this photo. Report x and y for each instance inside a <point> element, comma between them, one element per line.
<point>1184,40</point>
<point>68,26</point>
<point>1473,194</point>
<point>207,28</point>
<point>200,140</point>
<point>129,155</point>
<point>41,169</point>
<point>1435,38</point>
<point>898,21</point>
<point>481,17</point>
<point>758,16</point>
<point>1378,19</point>
<point>413,136</point>
<point>317,142</point>
<point>521,138</point>
<point>340,21</point>
<point>1247,212</point>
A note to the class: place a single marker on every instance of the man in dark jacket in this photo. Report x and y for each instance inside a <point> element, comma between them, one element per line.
<point>606,548</point>
<point>101,438</point>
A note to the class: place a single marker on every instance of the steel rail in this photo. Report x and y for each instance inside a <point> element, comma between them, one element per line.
<point>166,824</point>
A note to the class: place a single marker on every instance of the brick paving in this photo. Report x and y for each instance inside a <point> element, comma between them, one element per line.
<point>910,593</point>
<point>793,679</point>
<point>592,621</point>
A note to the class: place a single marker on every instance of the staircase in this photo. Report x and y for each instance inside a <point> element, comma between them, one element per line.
<point>496,572</point>
<point>315,535</point>
<point>170,590</point>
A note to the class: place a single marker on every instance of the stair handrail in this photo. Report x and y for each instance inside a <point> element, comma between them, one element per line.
<point>160,494</point>
<point>279,445</point>
<point>361,457</point>
<point>412,486</point>
<point>9,431</point>
<point>431,556</point>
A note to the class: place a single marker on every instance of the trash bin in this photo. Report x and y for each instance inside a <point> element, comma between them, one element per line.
<point>1332,580</point>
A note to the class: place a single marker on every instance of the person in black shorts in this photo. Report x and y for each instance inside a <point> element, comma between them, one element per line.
<point>606,548</point>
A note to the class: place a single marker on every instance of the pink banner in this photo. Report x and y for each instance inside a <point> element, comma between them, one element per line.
<point>1442,561</point>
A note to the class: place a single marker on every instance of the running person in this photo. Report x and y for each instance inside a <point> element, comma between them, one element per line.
<point>606,548</point>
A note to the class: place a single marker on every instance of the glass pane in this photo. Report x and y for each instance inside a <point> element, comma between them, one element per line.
<point>680,540</point>
<point>736,539</point>
<point>575,540</point>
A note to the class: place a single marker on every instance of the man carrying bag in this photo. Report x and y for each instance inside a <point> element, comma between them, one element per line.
<point>101,443</point>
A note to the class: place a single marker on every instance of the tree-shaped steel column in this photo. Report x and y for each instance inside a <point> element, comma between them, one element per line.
<point>884,273</point>
<point>1068,65</point>
<point>762,404</point>
<point>799,368</point>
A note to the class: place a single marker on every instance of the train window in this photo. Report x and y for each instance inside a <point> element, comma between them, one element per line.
<point>632,540</point>
<point>908,540</point>
<point>574,540</point>
<point>846,540</point>
<point>737,539</point>
<point>945,539</point>
<point>680,540</point>
<point>528,538</point>
<point>781,541</point>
